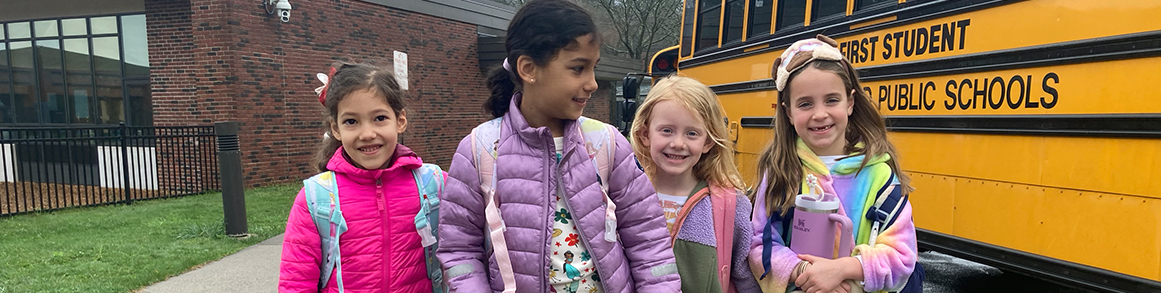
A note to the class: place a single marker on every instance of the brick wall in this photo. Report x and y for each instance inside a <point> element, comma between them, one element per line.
<point>219,60</point>
<point>227,60</point>
<point>598,106</point>
<point>172,74</point>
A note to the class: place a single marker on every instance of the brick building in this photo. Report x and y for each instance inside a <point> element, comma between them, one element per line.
<point>196,62</point>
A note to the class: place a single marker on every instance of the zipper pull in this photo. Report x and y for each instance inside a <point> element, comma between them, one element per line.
<point>379,193</point>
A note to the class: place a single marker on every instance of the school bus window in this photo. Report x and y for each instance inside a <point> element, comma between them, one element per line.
<point>709,23</point>
<point>826,8</point>
<point>791,13</point>
<point>862,4</point>
<point>687,27</point>
<point>735,20</point>
<point>760,17</point>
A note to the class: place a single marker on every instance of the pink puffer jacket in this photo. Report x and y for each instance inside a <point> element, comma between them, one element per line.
<point>527,179</point>
<point>381,250</point>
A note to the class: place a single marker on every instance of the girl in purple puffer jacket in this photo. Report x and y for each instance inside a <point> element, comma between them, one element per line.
<point>554,227</point>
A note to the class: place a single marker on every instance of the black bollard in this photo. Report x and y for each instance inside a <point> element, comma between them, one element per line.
<point>230,172</point>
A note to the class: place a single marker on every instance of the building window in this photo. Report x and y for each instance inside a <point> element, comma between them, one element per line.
<point>85,70</point>
<point>735,20</point>
<point>709,24</point>
<point>791,13</point>
<point>5,82</point>
<point>760,17</point>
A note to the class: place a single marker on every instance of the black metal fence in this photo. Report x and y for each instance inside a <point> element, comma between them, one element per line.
<point>44,169</point>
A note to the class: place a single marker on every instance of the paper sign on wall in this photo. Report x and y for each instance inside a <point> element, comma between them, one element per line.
<point>401,69</point>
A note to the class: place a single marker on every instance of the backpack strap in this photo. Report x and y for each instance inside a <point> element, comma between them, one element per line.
<point>684,212</point>
<point>429,181</point>
<point>888,202</point>
<point>322,200</point>
<point>600,142</point>
<point>725,206</point>
<point>768,231</point>
<point>485,143</point>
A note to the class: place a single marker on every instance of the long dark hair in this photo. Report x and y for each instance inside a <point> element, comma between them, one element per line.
<point>539,30</point>
<point>779,161</point>
<point>347,79</point>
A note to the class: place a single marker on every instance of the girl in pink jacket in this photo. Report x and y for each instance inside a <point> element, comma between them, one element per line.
<point>381,251</point>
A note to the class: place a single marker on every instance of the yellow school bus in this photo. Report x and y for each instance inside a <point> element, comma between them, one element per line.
<point>1031,129</point>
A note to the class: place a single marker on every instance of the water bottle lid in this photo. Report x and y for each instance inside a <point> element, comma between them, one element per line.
<point>813,202</point>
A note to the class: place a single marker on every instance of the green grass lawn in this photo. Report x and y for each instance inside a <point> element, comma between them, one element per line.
<point>126,247</point>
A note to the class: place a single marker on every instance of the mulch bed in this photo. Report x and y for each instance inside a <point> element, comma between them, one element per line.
<point>20,197</point>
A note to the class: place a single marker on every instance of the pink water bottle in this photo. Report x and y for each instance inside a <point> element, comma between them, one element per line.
<point>815,219</point>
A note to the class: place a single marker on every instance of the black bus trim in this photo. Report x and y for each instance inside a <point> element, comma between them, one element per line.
<point>1080,125</point>
<point>1034,265</point>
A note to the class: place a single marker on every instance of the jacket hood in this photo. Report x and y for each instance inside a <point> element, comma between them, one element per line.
<point>845,166</point>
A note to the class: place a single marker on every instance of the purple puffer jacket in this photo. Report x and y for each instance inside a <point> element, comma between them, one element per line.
<point>527,179</point>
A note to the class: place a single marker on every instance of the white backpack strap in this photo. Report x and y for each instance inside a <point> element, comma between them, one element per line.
<point>889,198</point>
<point>610,208</point>
<point>496,230</point>
<point>601,145</point>
<point>485,145</point>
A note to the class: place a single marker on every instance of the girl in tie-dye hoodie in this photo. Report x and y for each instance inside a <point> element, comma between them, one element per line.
<point>825,125</point>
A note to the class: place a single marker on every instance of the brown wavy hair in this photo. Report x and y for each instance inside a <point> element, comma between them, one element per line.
<point>779,164</point>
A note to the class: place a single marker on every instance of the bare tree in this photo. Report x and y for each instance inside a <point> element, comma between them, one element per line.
<point>632,28</point>
<point>639,27</point>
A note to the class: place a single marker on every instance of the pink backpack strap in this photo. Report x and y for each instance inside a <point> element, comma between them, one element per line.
<point>684,212</point>
<point>485,144</point>
<point>724,202</point>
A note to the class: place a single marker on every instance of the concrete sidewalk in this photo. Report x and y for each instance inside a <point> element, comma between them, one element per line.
<point>253,269</point>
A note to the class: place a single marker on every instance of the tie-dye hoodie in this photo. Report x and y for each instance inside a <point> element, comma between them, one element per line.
<point>886,264</point>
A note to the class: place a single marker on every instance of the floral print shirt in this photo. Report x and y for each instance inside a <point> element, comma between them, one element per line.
<point>573,269</point>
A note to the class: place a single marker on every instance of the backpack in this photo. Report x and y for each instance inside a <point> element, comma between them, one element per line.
<point>883,213</point>
<point>328,218</point>
<point>601,145</point>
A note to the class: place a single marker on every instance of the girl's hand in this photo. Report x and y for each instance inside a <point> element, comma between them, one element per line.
<point>844,287</point>
<point>825,275</point>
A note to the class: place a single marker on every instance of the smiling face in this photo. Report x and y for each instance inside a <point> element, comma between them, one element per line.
<point>677,140</point>
<point>819,106</point>
<point>560,89</point>
<point>368,128</point>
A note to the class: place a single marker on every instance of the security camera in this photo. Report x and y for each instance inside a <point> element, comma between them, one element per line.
<point>282,6</point>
